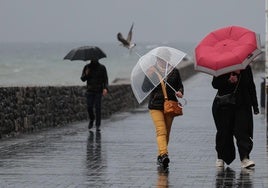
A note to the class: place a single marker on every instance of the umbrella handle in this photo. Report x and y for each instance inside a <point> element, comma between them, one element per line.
<point>182,101</point>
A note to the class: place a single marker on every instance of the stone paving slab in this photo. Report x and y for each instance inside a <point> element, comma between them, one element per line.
<point>124,153</point>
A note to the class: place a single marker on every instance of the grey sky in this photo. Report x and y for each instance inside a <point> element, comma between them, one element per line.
<point>100,20</point>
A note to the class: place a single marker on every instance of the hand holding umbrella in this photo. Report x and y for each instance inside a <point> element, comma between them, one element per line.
<point>233,78</point>
<point>179,94</point>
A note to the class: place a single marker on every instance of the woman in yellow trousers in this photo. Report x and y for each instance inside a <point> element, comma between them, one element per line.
<point>163,122</point>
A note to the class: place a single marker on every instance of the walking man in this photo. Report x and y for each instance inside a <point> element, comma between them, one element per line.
<point>97,86</point>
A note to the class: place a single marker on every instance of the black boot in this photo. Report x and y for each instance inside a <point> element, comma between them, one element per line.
<point>163,160</point>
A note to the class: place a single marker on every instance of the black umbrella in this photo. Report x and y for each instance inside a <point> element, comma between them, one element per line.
<point>85,53</point>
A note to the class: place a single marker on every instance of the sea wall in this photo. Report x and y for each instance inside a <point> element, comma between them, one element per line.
<point>26,109</point>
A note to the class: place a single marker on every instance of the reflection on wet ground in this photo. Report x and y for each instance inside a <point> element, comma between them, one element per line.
<point>94,155</point>
<point>95,158</point>
<point>124,153</point>
<point>229,178</point>
<point>162,180</point>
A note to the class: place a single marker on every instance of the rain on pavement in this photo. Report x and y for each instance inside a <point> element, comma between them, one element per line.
<point>124,153</point>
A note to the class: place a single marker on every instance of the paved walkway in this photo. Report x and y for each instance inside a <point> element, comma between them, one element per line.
<point>124,153</point>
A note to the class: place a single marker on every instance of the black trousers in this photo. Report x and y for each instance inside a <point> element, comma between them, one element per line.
<point>94,107</point>
<point>233,121</point>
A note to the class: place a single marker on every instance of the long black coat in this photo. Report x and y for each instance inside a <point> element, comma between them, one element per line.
<point>156,98</point>
<point>246,91</point>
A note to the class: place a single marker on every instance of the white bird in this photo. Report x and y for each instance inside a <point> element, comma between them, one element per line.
<point>126,42</point>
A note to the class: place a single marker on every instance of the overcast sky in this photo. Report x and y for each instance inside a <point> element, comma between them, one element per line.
<point>101,20</point>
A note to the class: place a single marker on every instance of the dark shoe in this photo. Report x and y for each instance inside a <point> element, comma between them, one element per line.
<point>163,160</point>
<point>98,129</point>
<point>90,125</point>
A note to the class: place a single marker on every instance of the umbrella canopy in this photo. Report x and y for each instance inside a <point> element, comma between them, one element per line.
<point>161,59</point>
<point>226,50</point>
<point>85,53</point>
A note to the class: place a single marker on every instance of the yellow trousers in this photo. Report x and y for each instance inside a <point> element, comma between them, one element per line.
<point>162,124</point>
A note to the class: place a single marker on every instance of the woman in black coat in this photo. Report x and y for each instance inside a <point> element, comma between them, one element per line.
<point>235,120</point>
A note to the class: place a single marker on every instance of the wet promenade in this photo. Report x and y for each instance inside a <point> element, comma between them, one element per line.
<point>123,154</point>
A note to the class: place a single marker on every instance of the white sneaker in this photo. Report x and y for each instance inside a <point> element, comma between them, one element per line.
<point>247,163</point>
<point>219,163</point>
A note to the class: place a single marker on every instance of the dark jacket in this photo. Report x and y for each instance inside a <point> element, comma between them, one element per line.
<point>97,78</point>
<point>156,98</point>
<point>246,90</point>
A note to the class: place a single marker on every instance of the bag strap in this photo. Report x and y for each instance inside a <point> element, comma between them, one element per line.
<point>162,85</point>
<point>237,84</point>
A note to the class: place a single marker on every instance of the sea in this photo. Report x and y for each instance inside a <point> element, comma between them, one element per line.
<point>42,64</point>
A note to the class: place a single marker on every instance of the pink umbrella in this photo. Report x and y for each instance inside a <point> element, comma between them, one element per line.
<point>226,49</point>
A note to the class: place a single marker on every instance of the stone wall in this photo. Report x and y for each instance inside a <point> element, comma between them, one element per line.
<point>25,109</point>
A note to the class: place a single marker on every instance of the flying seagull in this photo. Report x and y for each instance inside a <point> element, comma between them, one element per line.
<point>126,42</point>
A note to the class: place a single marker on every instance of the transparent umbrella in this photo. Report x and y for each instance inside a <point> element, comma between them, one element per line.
<point>153,67</point>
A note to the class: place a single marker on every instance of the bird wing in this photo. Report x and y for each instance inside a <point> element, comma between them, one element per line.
<point>129,36</point>
<point>121,39</point>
